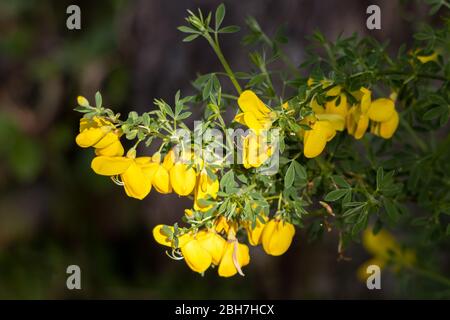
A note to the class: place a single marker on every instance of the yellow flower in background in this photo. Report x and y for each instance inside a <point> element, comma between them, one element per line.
<point>254,233</point>
<point>428,58</point>
<point>136,173</point>
<point>277,237</point>
<point>384,248</point>
<point>255,151</point>
<point>182,178</point>
<point>315,140</point>
<point>161,178</point>
<point>100,134</point>
<point>206,189</point>
<point>255,114</point>
<point>236,256</point>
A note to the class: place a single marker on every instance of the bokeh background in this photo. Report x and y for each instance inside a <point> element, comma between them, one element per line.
<point>54,211</point>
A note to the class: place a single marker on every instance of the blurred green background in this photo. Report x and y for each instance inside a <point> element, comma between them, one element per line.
<point>54,211</point>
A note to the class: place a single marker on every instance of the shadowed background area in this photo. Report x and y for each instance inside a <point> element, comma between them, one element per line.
<point>54,211</point>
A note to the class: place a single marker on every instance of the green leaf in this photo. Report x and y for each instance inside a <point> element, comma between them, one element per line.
<point>336,194</point>
<point>340,181</point>
<point>220,14</point>
<point>229,29</point>
<point>300,170</point>
<point>190,37</point>
<point>380,175</point>
<point>435,112</point>
<point>391,209</point>
<point>98,99</point>
<point>290,175</point>
<point>186,29</point>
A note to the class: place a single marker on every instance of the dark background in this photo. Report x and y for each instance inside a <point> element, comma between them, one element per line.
<point>54,211</point>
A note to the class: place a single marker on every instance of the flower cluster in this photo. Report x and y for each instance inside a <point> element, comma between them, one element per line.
<point>337,114</point>
<point>216,242</point>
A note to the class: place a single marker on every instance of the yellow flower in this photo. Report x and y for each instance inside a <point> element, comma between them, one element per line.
<point>357,117</point>
<point>236,256</point>
<point>221,224</point>
<point>161,179</point>
<point>381,110</point>
<point>277,237</point>
<point>255,114</point>
<point>255,151</point>
<point>100,134</point>
<point>136,173</point>
<point>314,140</point>
<point>341,108</point>
<point>199,250</point>
<point>213,243</point>
<point>332,114</point>
<point>206,189</point>
<point>254,234</point>
<point>386,129</point>
<point>384,247</point>
<point>182,178</point>
<point>196,256</point>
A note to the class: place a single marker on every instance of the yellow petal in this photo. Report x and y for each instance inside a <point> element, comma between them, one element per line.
<point>388,128</point>
<point>136,183</point>
<point>161,180</point>
<point>221,224</point>
<point>206,189</point>
<point>252,122</point>
<point>227,267</point>
<point>336,90</point>
<point>342,108</point>
<point>115,149</point>
<point>196,257</point>
<point>110,166</point>
<point>89,137</point>
<point>316,139</point>
<point>381,110</point>
<point>361,126</point>
<point>337,121</point>
<point>277,237</point>
<point>240,118</point>
<point>213,243</point>
<point>316,107</point>
<point>169,160</point>
<point>254,234</point>
<point>248,101</point>
<point>106,140</point>
<point>182,179</point>
<point>366,99</point>
<point>160,236</point>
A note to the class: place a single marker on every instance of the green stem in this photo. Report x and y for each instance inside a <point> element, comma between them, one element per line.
<point>216,47</point>
<point>431,275</point>
<point>419,75</point>
<point>413,134</point>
